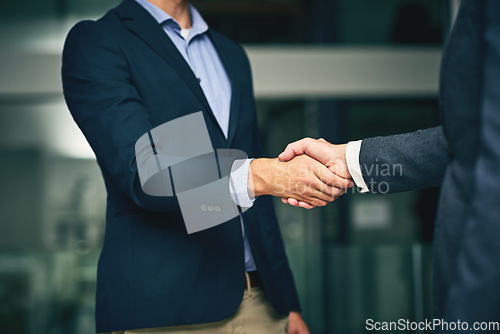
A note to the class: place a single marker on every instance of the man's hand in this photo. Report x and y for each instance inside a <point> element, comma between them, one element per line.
<point>302,178</point>
<point>332,156</point>
<point>296,325</point>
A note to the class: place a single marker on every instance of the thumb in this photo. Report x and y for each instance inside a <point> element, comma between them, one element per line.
<point>295,148</point>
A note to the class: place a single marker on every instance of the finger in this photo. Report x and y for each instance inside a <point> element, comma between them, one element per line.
<point>331,192</point>
<point>307,202</point>
<point>293,202</point>
<point>290,201</point>
<point>313,197</point>
<point>328,177</point>
<point>341,192</point>
<point>295,148</point>
<point>341,182</point>
<point>314,188</point>
<point>302,204</point>
<point>319,194</point>
<point>339,167</point>
<point>328,193</point>
<point>315,202</point>
<point>306,205</point>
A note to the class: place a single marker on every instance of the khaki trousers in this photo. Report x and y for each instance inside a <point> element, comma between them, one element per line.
<point>255,315</point>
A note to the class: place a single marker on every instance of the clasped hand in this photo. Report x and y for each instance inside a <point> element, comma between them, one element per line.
<point>308,173</point>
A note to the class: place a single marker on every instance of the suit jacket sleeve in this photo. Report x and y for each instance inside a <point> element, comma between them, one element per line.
<point>108,109</point>
<point>404,162</point>
<point>475,292</point>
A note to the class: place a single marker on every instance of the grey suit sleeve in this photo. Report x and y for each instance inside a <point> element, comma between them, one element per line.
<point>404,162</point>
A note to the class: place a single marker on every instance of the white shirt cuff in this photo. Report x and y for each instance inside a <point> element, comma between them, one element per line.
<point>352,159</point>
<point>238,183</point>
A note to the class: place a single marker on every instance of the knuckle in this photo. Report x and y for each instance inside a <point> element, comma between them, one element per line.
<point>319,202</point>
<point>346,184</point>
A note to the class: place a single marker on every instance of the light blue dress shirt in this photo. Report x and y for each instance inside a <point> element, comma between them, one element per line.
<point>200,54</point>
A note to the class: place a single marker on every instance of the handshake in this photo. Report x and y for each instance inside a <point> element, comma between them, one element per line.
<point>308,173</point>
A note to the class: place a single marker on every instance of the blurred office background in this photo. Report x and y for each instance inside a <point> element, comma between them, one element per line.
<point>338,69</point>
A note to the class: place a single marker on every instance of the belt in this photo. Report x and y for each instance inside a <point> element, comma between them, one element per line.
<point>254,278</point>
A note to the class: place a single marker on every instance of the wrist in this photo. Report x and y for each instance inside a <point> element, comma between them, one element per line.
<point>258,176</point>
<point>342,152</point>
<point>339,161</point>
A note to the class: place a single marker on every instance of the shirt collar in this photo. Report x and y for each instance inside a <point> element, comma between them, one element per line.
<point>198,25</point>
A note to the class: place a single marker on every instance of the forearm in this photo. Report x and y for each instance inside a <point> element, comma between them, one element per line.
<point>404,162</point>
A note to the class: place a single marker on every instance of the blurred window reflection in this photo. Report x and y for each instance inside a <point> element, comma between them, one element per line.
<point>52,198</point>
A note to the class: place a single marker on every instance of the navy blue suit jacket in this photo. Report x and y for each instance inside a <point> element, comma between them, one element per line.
<point>122,76</point>
<point>462,155</point>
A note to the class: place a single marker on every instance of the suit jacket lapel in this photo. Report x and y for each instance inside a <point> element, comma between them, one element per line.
<point>235,86</point>
<point>138,20</point>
